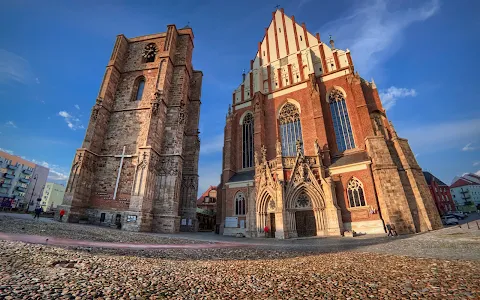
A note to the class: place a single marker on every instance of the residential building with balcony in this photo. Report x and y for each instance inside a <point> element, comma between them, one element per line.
<point>21,181</point>
<point>52,196</point>
<point>465,191</point>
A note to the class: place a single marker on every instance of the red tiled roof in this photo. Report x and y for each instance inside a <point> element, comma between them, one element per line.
<point>202,197</point>
<point>461,182</point>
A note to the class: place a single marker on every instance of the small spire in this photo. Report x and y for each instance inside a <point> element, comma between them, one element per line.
<point>243,74</point>
<point>229,109</point>
<point>332,42</point>
<point>277,6</point>
<point>373,84</point>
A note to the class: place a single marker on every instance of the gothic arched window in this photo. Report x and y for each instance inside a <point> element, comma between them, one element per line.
<point>239,204</point>
<point>356,196</point>
<point>290,129</point>
<point>140,87</point>
<point>247,141</point>
<point>341,121</point>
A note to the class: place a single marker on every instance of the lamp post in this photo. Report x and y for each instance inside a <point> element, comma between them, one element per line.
<point>35,177</point>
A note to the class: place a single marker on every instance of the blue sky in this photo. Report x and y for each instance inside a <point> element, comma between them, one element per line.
<point>423,56</point>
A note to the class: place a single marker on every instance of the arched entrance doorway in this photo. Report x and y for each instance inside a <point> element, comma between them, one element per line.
<point>305,220</point>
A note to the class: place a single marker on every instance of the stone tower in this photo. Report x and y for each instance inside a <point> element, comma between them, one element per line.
<point>138,164</point>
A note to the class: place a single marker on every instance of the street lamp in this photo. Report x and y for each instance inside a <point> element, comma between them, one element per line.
<point>35,177</point>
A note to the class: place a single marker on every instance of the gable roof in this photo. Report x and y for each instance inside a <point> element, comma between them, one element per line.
<point>462,182</point>
<point>429,177</point>
<point>205,194</point>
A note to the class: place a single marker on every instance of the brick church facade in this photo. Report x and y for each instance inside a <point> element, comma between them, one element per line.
<point>309,150</point>
<point>138,165</point>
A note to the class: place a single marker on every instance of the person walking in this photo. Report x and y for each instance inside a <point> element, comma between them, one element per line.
<point>389,229</point>
<point>38,210</point>
<point>394,230</point>
<point>62,213</point>
<point>265,229</point>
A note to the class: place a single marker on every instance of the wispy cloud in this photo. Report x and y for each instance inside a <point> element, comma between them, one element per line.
<point>14,68</point>
<point>390,96</point>
<point>56,173</point>
<point>374,31</point>
<point>5,150</point>
<point>212,144</point>
<point>77,106</point>
<point>427,138</point>
<point>10,124</point>
<point>469,147</point>
<point>477,163</point>
<point>73,122</point>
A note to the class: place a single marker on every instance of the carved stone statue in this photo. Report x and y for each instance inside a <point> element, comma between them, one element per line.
<point>299,146</point>
<point>317,148</point>
<point>279,148</point>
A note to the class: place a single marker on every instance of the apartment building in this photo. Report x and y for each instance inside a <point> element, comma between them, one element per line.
<point>21,182</point>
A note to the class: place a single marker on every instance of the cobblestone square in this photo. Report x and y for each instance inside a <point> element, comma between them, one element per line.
<point>358,268</point>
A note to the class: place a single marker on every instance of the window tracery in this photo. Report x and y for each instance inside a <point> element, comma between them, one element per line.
<point>290,129</point>
<point>239,204</point>
<point>355,191</point>
<point>247,141</point>
<point>341,121</point>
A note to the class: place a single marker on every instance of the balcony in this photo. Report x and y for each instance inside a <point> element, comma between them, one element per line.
<point>21,189</point>
<point>28,172</point>
<point>9,176</point>
<point>24,180</point>
<point>5,185</point>
<point>12,167</point>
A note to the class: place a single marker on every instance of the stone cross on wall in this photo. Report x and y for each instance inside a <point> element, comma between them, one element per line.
<point>119,171</point>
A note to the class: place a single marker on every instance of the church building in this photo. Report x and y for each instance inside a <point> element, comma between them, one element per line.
<point>137,168</point>
<point>309,150</point>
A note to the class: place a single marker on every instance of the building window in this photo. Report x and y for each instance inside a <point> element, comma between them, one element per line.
<point>290,129</point>
<point>102,217</point>
<point>247,141</point>
<point>140,86</point>
<point>239,204</point>
<point>341,121</point>
<point>356,196</point>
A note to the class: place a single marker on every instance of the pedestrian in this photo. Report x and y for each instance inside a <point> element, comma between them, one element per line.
<point>38,210</point>
<point>265,229</point>
<point>62,212</point>
<point>389,230</point>
<point>394,230</point>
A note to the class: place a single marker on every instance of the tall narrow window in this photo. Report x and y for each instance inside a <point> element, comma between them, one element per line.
<point>239,204</point>
<point>247,141</point>
<point>355,193</point>
<point>341,121</point>
<point>140,87</point>
<point>290,129</point>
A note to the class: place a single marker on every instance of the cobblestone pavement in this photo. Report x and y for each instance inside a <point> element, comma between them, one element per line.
<point>330,268</point>
<point>42,272</point>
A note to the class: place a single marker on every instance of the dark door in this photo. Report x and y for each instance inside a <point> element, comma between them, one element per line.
<point>272,225</point>
<point>305,221</point>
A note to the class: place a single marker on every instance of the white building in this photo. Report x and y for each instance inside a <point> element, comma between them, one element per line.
<point>465,192</point>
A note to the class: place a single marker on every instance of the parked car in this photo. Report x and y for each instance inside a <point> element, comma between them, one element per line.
<point>459,215</point>
<point>449,220</point>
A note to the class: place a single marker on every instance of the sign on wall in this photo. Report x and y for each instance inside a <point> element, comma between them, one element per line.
<point>242,223</point>
<point>184,222</point>
<point>231,222</point>
<point>131,218</point>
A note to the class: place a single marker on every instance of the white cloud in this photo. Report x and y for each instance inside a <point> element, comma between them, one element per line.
<point>373,30</point>
<point>77,106</point>
<point>73,122</point>
<point>8,151</point>
<point>476,163</point>
<point>15,68</point>
<point>427,138</point>
<point>212,144</point>
<point>477,173</point>
<point>390,96</point>
<point>56,173</point>
<point>10,124</point>
<point>468,147</point>
<point>37,80</point>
